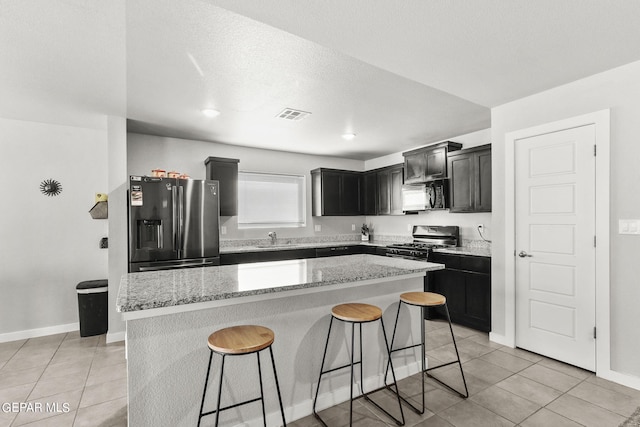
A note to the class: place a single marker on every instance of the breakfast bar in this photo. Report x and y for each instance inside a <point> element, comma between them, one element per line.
<point>169,315</point>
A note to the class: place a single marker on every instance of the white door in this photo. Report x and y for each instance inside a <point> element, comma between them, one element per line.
<point>555,245</point>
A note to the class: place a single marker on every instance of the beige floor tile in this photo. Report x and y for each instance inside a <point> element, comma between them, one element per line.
<point>57,385</point>
<point>438,400</point>
<point>389,402</point>
<point>486,371</point>
<point>608,399</point>
<point>484,340</point>
<point>26,358</point>
<point>547,418</point>
<point>470,349</point>
<point>529,389</point>
<point>103,360</point>
<point>104,392</point>
<point>550,377</point>
<point>506,361</point>
<point>8,349</point>
<point>11,378</point>
<point>523,354</point>
<point>452,377</point>
<point>6,418</point>
<point>584,413</point>
<point>18,393</point>
<point>64,420</point>
<point>573,371</point>
<point>469,414</point>
<point>77,368</point>
<point>112,413</point>
<point>434,421</point>
<point>609,385</point>
<point>99,375</point>
<point>506,404</point>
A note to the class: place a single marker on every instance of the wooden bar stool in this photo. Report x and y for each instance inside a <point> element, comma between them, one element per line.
<point>238,341</point>
<point>356,313</point>
<point>424,300</point>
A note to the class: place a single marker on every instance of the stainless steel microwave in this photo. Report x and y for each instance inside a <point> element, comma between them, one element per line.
<point>423,197</point>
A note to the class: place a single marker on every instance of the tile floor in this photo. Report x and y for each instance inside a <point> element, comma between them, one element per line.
<point>508,387</point>
<point>83,380</point>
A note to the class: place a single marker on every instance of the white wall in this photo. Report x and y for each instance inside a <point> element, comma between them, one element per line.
<point>619,90</point>
<point>48,244</point>
<point>147,152</point>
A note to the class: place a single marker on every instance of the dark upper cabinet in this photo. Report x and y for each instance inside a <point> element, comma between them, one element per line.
<point>226,172</point>
<point>428,163</point>
<point>389,190</point>
<point>470,179</point>
<point>369,193</point>
<point>336,192</point>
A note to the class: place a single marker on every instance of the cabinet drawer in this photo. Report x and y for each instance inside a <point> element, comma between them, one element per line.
<point>477,264</point>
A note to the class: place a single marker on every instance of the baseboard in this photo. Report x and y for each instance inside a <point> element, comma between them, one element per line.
<point>500,339</point>
<point>620,378</point>
<point>39,332</point>
<point>116,336</point>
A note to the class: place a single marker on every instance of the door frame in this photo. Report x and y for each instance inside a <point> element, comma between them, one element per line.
<point>601,120</point>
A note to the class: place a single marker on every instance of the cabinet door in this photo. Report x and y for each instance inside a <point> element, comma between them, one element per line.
<point>483,181</point>
<point>478,301</point>
<point>369,202</point>
<point>395,187</point>
<point>436,166</point>
<point>384,192</point>
<point>331,183</point>
<point>415,166</point>
<point>350,194</point>
<point>462,185</point>
<point>225,171</point>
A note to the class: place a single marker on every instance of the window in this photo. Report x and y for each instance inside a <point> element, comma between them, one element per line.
<point>270,200</point>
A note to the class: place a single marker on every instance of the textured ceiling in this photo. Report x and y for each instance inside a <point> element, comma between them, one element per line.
<point>398,74</point>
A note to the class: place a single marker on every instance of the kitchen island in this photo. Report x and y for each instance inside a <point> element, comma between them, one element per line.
<point>170,314</point>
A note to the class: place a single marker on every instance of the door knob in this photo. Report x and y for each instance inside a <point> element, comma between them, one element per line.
<point>523,254</point>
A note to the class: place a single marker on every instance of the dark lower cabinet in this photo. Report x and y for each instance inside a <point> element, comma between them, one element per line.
<point>466,283</point>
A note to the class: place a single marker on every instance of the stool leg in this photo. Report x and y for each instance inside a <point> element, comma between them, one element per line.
<point>361,376</point>
<point>326,346</point>
<point>393,373</point>
<point>220,391</point>
<point>264,415</point>
<point>455,346</point>
<point>275,374</point>
<point>422,353</point>
<point>353,327</point>
<point>206,382</point>
<point>393,338</point>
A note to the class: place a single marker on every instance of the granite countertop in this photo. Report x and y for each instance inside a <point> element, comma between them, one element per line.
<point>463,250</point>
<point>170,288</point>
<point>292,246</point>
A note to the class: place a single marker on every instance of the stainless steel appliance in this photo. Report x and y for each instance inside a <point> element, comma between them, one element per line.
<point>173,223</point>
<point>425,239</point>
<point>427,196</point>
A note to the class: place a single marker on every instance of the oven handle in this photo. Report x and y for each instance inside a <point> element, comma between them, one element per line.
<point>405,257</point>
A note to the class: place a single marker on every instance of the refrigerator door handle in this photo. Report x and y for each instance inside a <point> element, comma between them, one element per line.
<point>175,225</point>
<point>180,220</point>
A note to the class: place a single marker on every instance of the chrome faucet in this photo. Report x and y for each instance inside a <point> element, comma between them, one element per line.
<point>273,236</point>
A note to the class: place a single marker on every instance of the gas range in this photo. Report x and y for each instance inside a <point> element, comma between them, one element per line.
<point>426,238</point>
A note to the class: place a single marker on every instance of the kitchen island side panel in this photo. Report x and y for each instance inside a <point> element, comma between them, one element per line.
<point>168,356</point>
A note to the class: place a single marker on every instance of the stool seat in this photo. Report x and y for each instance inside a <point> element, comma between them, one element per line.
<point>356,312</point>
<point>423,299</point>
<point>241,339</point>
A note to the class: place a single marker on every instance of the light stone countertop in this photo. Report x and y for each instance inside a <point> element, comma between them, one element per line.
<point>180,287</point>
<point>293,246</point>
<point>463,250</point>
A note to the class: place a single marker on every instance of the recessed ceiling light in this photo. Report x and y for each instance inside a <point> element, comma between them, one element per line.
<point>349,136</point>
<point>210,112</point>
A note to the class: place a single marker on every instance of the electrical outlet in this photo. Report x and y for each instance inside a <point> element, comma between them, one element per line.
<point>104,243</point>
<point>223,229</point>
<point>353,227</point>
<point>318,227</point>
<point>629,226</point>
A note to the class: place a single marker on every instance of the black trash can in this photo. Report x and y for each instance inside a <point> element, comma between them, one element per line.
<point>93,300</point>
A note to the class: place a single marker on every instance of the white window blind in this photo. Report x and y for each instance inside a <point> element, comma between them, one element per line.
<point>270,200</point>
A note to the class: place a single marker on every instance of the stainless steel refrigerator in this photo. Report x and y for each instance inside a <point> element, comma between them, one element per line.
<point>173,223</point>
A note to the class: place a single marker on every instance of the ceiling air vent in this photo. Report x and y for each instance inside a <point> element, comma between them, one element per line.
<point>291,114</point>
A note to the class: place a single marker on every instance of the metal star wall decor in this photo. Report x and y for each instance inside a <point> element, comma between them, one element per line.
<point>50,187</point>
